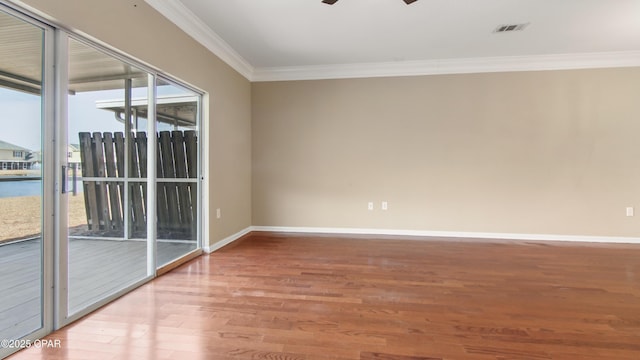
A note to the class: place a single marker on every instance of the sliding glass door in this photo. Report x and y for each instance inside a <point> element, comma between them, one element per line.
<point>24,235</point>
<point>105,164</point>
<point>131,198</point>
<point>99,175</point>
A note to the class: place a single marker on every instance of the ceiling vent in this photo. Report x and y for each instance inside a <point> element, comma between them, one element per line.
<point>510,28</point>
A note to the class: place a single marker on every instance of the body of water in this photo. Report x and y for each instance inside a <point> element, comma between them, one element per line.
<point>27,188</point>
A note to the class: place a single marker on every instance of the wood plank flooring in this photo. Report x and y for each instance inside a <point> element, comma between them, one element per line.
<point>284,296</point>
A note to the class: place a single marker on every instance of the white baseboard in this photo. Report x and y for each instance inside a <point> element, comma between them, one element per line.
<point>422,234</point>
<point>451,234</point>
<point>228,240</point>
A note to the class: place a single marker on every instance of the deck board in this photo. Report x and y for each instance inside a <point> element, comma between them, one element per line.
<point>97,269</point>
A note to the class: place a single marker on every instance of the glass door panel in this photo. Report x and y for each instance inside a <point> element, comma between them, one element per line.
<point>107,232</point>
<point>177,161</point>
<point>21,194</point>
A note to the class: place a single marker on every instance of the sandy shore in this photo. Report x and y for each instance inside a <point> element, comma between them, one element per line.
<point>20,216</point>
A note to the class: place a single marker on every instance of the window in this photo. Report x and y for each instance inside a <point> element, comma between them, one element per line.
<point>17,154</point>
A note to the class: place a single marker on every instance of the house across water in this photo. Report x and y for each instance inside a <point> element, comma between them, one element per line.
<point>14,157</point>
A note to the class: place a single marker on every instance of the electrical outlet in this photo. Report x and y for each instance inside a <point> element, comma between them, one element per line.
<point>370,205</point>
<point>629,210</point>
<point>385,205</point>
<point>218,214</point>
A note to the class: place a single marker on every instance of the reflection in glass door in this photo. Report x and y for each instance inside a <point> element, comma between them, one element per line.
<point>21,185</point>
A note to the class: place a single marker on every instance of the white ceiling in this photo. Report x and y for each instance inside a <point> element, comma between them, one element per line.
<point>298,39</point>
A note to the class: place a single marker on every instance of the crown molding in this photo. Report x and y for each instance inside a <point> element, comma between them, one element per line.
<point>191,24</point>
<point>450,66</point>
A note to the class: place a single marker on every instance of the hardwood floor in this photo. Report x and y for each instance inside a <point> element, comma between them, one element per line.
<point>279,296</point>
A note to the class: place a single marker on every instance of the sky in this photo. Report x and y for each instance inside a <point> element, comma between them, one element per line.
<point>20,114</point>
<point>20,118</point>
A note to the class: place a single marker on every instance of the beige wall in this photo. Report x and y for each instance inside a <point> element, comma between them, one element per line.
<point>553,152</point>
<point>136,29</point>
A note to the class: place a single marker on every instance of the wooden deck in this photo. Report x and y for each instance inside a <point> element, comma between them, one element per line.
<point>97,268</point>
<point>289,297</point>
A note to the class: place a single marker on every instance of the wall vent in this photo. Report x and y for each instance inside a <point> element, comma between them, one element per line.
<point>510,27</point>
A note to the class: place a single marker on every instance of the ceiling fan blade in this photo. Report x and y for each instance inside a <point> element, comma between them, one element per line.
<point>406,1</point>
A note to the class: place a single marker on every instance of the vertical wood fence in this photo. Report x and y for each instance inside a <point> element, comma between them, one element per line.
<point>104,175</point>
